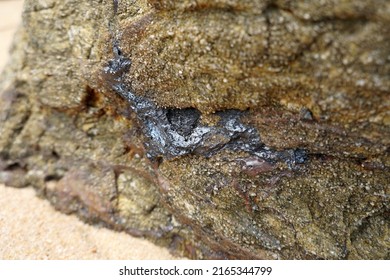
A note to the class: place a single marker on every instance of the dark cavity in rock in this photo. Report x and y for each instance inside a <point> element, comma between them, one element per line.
<point>173,132</point>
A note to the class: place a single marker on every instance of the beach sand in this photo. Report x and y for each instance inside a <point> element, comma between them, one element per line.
<point>30,228</point>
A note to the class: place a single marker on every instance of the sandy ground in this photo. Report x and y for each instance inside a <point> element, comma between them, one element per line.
<point>10,12</point>
<point>31,229</point>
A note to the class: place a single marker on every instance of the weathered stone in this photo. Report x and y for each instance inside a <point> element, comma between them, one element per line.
<point>222,129</point>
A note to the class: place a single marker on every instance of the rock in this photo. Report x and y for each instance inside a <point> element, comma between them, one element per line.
<point>220,129</point>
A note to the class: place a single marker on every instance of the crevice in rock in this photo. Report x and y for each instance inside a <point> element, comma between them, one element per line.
<point>53,177</point>
<point>92,98</point>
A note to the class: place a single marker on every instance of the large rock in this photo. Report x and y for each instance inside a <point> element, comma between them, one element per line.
<point>222,129</point>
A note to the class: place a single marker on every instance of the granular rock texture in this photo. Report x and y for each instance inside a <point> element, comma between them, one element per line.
<point>220,129</point>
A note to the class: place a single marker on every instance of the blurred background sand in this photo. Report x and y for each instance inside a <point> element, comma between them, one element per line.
<point>31,229</point>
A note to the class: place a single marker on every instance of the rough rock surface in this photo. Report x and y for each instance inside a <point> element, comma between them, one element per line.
<point>221,129</point>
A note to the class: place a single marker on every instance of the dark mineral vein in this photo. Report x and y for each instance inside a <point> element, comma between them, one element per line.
<point>173,132</point>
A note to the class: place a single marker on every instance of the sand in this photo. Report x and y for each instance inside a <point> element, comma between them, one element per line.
<point>30,228</point>
<point>10,13</point>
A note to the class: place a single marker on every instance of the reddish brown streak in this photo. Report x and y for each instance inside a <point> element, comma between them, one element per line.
<point>243,194</point>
